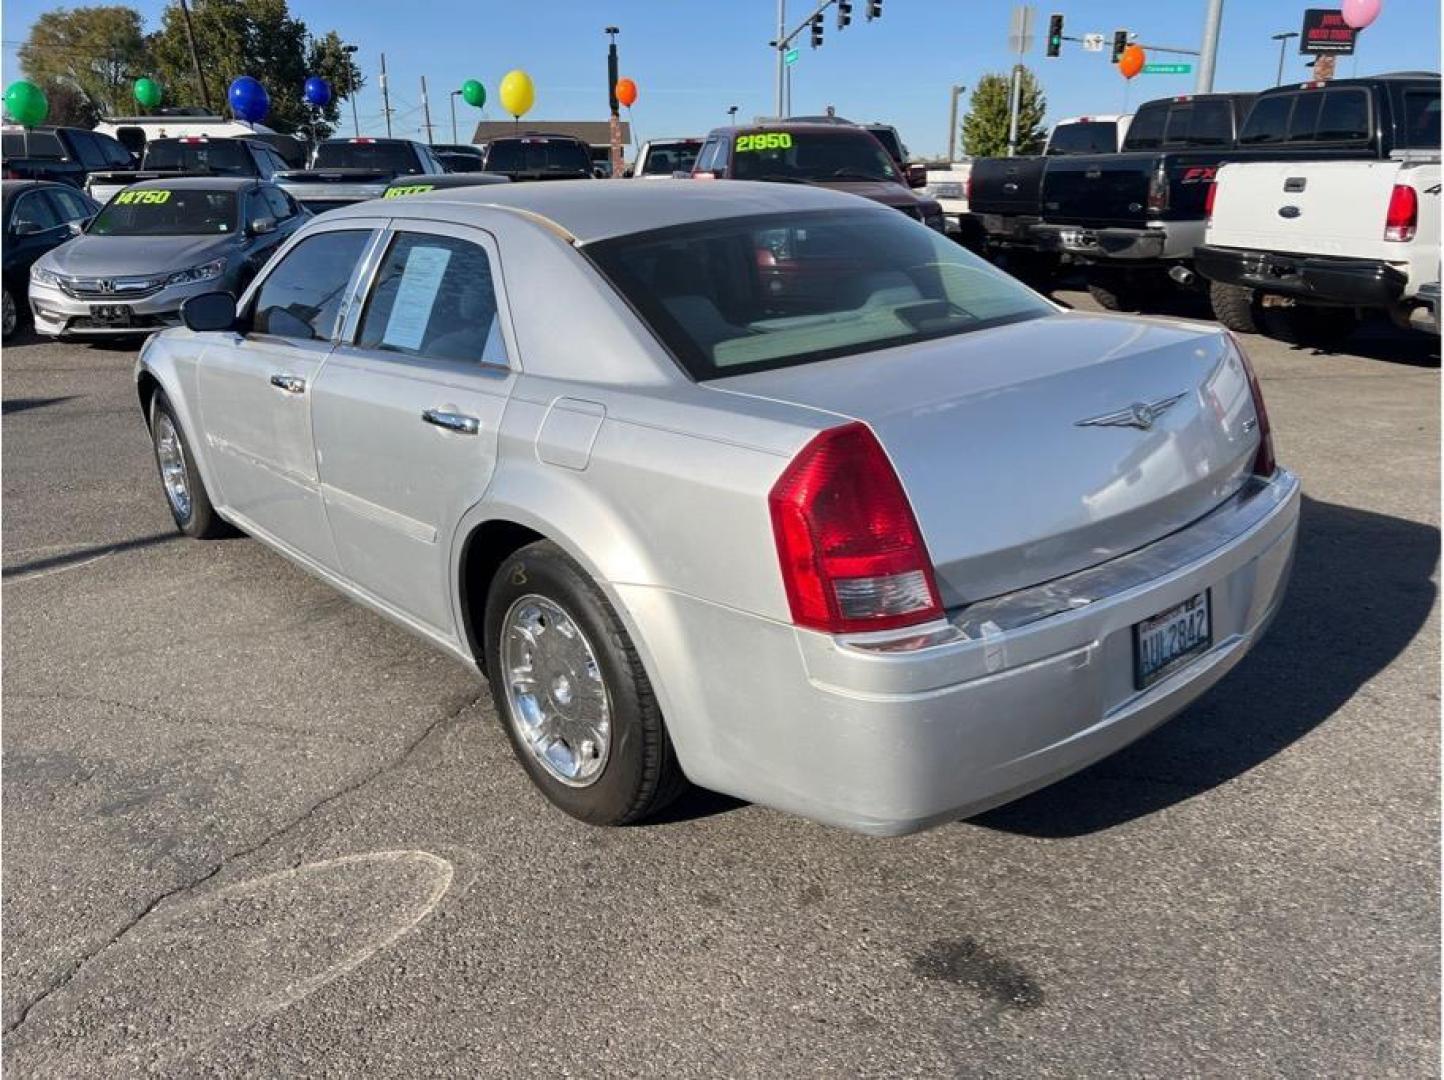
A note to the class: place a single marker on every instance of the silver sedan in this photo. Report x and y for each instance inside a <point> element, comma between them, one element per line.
<point>756,486</point>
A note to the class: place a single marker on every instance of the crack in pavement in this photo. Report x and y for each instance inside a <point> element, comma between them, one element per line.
<point>246,852</point>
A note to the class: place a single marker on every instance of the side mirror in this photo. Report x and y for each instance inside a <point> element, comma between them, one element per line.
<point>261,225</point>
<point>79,225</point>
<point>27,228</point>
<point>917,176</point>
<point>209,311</point>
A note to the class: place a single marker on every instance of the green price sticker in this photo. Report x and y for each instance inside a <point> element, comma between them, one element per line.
<point>408,189</point>
<point>126,198</point>
<point>770,140</point>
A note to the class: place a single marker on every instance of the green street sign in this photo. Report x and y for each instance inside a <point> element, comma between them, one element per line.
<point>1167,69</point>
<point>790,57</point>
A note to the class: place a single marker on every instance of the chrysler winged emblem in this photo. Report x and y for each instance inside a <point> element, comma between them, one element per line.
<point>1141,414</point>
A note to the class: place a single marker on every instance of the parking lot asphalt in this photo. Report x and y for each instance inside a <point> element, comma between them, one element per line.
<point>253,829</point>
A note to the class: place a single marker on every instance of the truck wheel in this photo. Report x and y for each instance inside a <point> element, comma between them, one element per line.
<point>1236,307</point>
<point>571,692</point>
<point>11,315</point>
<point>1122,290</point>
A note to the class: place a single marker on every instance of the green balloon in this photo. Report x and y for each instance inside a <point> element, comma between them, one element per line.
<point>26,103</point>
<point>147,92</point>
<point>473,93</point>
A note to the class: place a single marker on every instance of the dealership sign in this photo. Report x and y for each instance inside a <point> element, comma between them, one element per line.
<point>1326,32</point>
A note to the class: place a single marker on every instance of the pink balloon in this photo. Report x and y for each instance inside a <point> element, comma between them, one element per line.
<point>1360,13</point>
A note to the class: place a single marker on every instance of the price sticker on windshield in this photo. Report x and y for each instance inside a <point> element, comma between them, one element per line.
<point>126,198</point>
<point>768,140</point>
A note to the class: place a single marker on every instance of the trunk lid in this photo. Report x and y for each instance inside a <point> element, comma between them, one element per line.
<point>984,432</point>
<point>1306,207</point>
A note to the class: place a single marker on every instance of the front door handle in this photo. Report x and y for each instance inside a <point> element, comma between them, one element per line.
<point>462,425</point>
<point>292,384</point>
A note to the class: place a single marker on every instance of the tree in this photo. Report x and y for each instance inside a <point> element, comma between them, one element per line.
<point>985,128</point>
<point>259,38</point>
<point>91,51</point>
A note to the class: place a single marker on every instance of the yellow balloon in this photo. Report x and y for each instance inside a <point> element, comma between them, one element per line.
<point>517,93</point>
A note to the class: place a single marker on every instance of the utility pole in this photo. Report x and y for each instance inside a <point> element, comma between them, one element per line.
<point>426,112</point>
<point>350,51</point>
<point>1208,55</point>
<point>195,56</point>
<point>781,53</point>
<point>1020,40</point>
<point>1283,40</point>
<point>454,95</point>
<point>615,124</point>
<point>953,123</point>
<point>385,96</point>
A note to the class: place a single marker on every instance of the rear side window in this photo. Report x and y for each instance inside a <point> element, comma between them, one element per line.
<point>300,298</point>
<point>1420,130</point>
<point>1268,120</point>
<point>1146,131</point>
<point>434,297</point>
<point>1093,137</point>
<point>38,144</point>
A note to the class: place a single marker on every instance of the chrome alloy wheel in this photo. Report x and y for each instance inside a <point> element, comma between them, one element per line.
<point>555,692</point>
<point>170,454</point>
<point>8,314</point>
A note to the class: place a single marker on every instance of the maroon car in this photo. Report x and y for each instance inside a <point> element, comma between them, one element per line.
<point>839,156</point>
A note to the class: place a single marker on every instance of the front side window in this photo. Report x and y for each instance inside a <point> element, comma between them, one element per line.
<point>811,156</point>
<point>748,294</point>
<point>72,205</point>
<point>34,212</point>
<point>300,298</point>
<point>434,297</point>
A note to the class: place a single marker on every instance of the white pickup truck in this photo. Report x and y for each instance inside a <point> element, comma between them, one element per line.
<point>1332,239</point>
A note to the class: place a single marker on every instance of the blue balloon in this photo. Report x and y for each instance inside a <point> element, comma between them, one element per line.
<point>317,92</point>
<point>248,99</point>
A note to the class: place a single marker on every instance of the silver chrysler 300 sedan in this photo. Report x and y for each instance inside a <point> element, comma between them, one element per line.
<point>760,486</point>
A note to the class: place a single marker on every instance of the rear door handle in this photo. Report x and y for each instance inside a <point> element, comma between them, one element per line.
<point>462,425</point>
<point>292,384</point>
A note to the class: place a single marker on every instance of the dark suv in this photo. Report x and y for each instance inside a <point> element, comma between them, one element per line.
<point>837,155</point>
<point>538,157</point>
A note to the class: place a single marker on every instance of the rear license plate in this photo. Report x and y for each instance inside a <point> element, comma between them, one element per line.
<point>111,314</point>
<point>1170,639</point>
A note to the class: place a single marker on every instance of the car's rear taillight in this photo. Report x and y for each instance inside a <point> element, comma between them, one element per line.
<point>1208,200</point>
<point>852,556</point>
<point>1402,220</point>
<point>1264,463</point>
<point>1158,189</point>
<point>704,175</point>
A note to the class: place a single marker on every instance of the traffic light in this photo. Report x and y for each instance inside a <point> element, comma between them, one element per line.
<point>816,30</point>
<point>1055,34</point>
<point>1120,42</point>
<point>874,10</point>
<point>844,13</point>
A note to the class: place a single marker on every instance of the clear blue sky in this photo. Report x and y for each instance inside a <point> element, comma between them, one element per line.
<point>692,59</point>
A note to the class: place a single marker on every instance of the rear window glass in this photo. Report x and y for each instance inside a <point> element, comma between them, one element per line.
<point>1212,124</point>
<point>40,144</point>
<point>1146,131</point>
<point>1093,137</point>
<point>747,294</point>
<point>220,156</point>
<point>1344,117</point>
<point>1305,117</point>
<point>389,157</point>
<point>541,156</point>
<point>663,159</point>
<point>1268,120</point>
<point>840,155</point>
<point>1421,120</point>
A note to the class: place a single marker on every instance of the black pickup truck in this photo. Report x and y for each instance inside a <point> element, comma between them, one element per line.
<point>191,155</point>
<point>1134,219</point>
<point>62,154</point>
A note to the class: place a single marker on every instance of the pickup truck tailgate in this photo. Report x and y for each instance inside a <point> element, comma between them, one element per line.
<point>1099,189</point>
<point>1334,208</point>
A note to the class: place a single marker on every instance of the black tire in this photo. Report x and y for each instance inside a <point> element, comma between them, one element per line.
<point>641,775</point>
<point>11,316</point>
<point>1237,308</point>
<point>196,517</point>
<point>1123,290</point>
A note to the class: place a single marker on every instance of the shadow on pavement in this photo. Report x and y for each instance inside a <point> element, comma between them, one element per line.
<point>1360,592</point>
<point>65,558</point>
<point>25,404</point>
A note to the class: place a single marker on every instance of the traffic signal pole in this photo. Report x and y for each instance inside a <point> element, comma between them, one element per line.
<point>781,51</point>
<point>1208,56</point>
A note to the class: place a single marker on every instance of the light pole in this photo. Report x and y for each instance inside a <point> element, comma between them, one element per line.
<point>732,115</point>
<point>615,124</point>
<point>1208,55</point>
<point>350,51</point>
<point>454,95</point>
<point>1283,40</point>
<point>958,89</point>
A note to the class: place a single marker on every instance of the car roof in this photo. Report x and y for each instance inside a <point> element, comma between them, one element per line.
<point>589,210</point>
<point>204,183</point>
